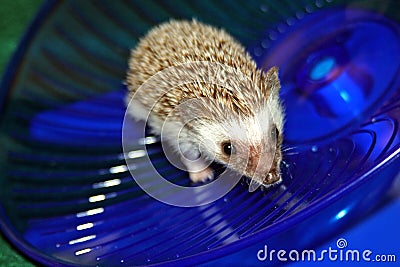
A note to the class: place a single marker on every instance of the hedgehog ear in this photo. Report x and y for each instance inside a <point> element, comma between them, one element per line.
<point>272,78</point>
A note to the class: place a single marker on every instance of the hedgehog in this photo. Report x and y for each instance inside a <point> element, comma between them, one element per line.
<point>198,87</point>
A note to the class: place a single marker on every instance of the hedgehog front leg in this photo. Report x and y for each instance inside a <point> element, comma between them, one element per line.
<point>198,172</point>
<point>198,167</point>
<point>201,176</point>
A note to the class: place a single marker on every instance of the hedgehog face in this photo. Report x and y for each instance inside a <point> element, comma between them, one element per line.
<point>248,145</point>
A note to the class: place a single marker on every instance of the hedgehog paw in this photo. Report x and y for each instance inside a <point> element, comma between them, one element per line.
<point>202,176</point>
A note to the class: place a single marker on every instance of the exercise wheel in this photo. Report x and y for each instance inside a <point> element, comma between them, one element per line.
<point>67,197</point>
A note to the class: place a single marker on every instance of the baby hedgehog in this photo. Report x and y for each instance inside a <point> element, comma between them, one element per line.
<point>218,105</point>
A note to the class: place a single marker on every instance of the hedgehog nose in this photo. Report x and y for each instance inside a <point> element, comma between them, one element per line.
<point>271,178</point>
<point>264,164</point>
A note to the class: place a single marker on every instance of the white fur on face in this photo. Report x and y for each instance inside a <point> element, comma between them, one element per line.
<point>274,108</point>
<point>243,132</point>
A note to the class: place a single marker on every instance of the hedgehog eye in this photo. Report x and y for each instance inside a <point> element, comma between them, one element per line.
<point>228,148</point>
<point>276,131</point>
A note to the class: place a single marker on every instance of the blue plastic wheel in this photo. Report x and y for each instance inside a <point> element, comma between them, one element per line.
<point>67,197</point>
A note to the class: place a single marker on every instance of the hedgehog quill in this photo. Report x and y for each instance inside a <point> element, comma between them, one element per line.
<point>236,122</point>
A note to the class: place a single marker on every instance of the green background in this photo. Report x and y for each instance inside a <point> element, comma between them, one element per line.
<point>15,16</point>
